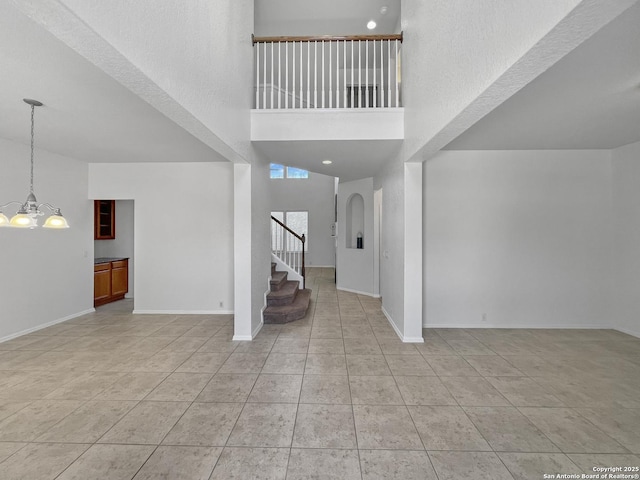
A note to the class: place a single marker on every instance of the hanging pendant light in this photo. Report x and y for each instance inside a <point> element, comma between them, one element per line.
<point>29,211</point>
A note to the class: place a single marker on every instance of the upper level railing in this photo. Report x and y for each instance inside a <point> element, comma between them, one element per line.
<point>359,71</point>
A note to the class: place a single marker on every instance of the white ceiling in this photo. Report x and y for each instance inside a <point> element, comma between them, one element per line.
<point>352,160</point>
<point>324,17</point>
<point>588,100</point>
<point>86,114</point>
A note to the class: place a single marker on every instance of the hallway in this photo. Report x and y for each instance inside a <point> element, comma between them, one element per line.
<point>335,395</point>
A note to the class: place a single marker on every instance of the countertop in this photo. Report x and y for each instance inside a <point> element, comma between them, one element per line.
<point>98,261</point>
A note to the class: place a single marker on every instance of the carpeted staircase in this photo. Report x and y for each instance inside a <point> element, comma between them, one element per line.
<point>285,302</point>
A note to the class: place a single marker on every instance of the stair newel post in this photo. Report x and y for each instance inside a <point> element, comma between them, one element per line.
<point>303,239</point>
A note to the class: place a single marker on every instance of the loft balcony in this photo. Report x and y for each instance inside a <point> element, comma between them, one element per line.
<point>327,88</point>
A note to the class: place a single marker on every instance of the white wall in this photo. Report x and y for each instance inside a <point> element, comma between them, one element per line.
<point>123,244</point>
<point>523,236</point>
<point>626,238</point>
<point>391,181</point>
<point>260,238</point>
<point>183,232</point>
<point>354,267</point>
<point>316,196</point>
<point>199,52</point>
<point>45,275</point>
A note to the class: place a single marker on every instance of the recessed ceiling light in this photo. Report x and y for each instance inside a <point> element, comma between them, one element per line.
<point>327,162</point>
<point>371,25</point>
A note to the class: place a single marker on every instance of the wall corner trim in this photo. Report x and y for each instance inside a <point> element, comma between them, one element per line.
<point>248,338</point>
<point>397,330</point>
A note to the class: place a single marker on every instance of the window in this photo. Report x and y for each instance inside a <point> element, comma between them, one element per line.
<point>277,171</point>
<point>296,221</point>
<point>280,171</point>
<point>297,173</point>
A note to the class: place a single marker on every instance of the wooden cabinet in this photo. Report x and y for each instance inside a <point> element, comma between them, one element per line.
<point>104,219</point>
<point>119,278</point>
<point>110,281</point>
<point>101,283</point>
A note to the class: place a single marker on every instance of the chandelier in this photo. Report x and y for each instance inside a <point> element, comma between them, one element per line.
<point>29,211</point>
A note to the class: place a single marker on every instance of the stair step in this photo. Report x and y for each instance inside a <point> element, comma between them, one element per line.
<point>278,279</point>
<point>289,313</point>
<point>273,267</point>
<point>285,295</point>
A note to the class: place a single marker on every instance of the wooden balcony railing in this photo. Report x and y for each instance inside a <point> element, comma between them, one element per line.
<point>359,71</point>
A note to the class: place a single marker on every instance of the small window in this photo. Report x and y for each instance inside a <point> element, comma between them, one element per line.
<point>280,171</point>
<point>277,171</point>
<point>297,173</point>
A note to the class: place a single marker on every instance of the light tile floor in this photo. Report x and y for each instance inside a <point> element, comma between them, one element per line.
<point>334,396</point>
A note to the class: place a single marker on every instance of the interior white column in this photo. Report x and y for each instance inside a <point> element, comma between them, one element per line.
<point>413,253</point>
<point>242,251</point>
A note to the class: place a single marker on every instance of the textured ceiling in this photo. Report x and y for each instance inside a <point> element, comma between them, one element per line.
<point>590,99</point>
<point>86,114</point>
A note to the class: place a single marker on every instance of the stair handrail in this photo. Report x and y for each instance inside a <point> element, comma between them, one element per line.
<point>302,239</point>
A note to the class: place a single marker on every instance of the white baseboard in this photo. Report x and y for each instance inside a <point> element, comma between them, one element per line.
<point>413,339</point>
<point>182,312</point>
<point>242,338</point>
<point>633,333</point>
<point>320,266</point>
<point>368,294</point>
<point>45,325</point>
<point>523,326</point>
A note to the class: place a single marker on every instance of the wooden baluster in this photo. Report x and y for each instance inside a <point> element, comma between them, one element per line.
<point>279,77</point>
<point>344,73</point>
<point>257,50</point>
<point>352,82</point>
<point>286,73</point>
<point>322,45</point>
<point>366,81</point>
<point>272,57</point>
<point>359,73</point>
<point>330,75</point>
<point>382,73</point>
<point>389,71</point>
<point>396,72</point>
<point>315,74</point>
<point>264,77</point>
<point>375,90</point>
<point>308,74</point>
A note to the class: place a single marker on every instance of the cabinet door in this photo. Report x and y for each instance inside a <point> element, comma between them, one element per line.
<point>119,281</point>
<point>101,285</point>
<point>105,219</point>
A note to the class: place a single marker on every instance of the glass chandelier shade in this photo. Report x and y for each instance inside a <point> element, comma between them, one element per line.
<point>29,211</point>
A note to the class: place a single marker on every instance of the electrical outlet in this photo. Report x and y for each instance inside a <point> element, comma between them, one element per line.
<point>221,304</point>
<point>484,317</point>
